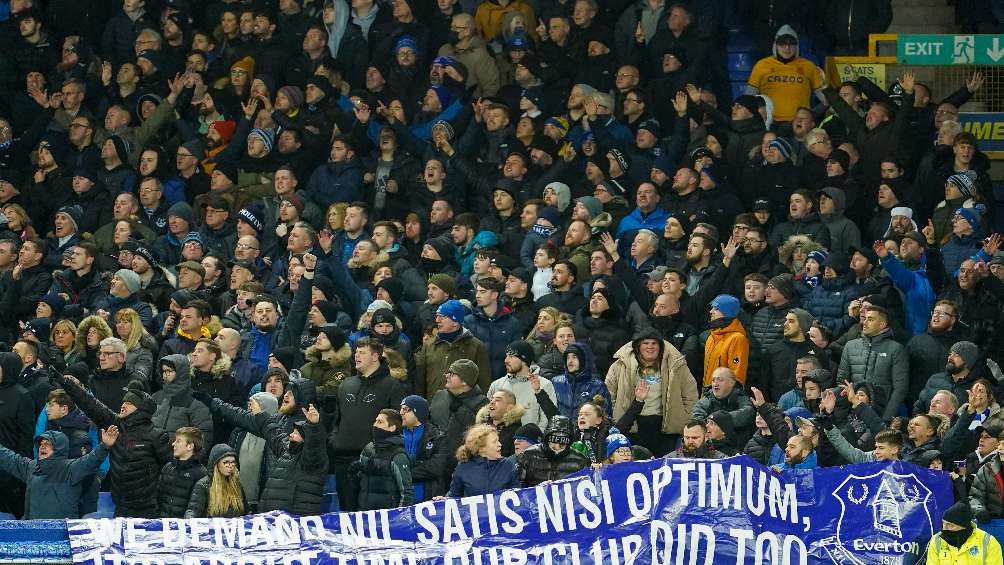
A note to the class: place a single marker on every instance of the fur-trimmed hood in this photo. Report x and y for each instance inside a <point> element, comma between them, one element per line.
<point>512,416</point>
<point>787,249</point>
<point>80,341</point>
<point>340,356</point>
<point>380,258</point>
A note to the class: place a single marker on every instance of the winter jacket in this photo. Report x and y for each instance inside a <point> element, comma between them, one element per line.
<point>986,492</point>
<point>17,413</point>
<point>56,483</point>
<point>737,404</point>
<point>981,548</point>
<point>22,295</point>
<point>532,404</point>
<point>918,295</point>
<point>479,476</point>
<point>844,233</point>
<point>881,362</point>
<point>828,300</point>
<point>496,332</point>
<point>483,74</point>
<point>679,389</point>
<point>428,459</point>
<point>981,310</point>
<point>538,463</point>
<point>198,503</point>
<point>454,414</point>
<point>810,226</point>
<point>384,475</point>
<point>137,456</point>
<point>944,381</point>
<point>175,406</point>
<point>767,323</point>
<point>432,360</point>
<point>109,387</point>
<point>887,138</point>
<point>783,355</point>
<point>604,335</point>
<point>573,391</point>
<point>177,479</point>
<point>360,399</point>
<point>295,480</point>
<point>928,352</point>
<point>335,182</point>
<point>326,373</point>
<point>728,347</point>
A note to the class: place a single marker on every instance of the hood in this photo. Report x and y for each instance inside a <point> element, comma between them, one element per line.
<point>304,391</point>
<point>74,420</point>
<point>769,103</point>
<point>787,249</point>
<point>512,416</point>
<point>838,197</point>
<point>585,355</point>
<point>784,30</point>
<point>336,31</point>
<point>559,424</point>
<point>182,375</point>
<point>218,452</point>
<point>58,440</point>
<point>485,238</point>
<point>11,365</point>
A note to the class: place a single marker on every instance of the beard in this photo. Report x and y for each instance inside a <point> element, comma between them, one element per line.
<point>953,369</point>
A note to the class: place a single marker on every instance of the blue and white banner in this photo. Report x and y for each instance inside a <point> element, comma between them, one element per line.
<point>667,511</point>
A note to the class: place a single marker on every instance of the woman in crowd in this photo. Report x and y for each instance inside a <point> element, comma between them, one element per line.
<point>482,469</point>
<point>219,494</point>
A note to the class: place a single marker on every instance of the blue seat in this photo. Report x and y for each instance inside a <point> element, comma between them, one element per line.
<point>738,76</point>
<point>738,88</point>
<point>739,42</point>
<point>105,502</point>
<point>740,62</point>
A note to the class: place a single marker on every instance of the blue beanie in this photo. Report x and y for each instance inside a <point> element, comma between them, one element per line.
<point>783,146</point>
<point>616,441</point>
<point>445,96</point>
<point>418,405</point>
<point>727,304</point>
<point>267,136</point>
<point>453,310</point>
<point>971,215</point>
<point>406,41</point>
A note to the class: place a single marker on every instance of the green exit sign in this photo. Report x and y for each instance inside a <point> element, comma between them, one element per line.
<point>950,49</point>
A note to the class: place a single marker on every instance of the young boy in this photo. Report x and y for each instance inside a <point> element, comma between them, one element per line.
<point>178,476</point>
<point>383,469</point>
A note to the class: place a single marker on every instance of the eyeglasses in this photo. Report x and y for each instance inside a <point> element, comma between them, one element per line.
<point>238,72</point>
<point>185,155</point>
<point>937,314</point>
<point>751,240</point>
<point>107,353</point>
<point>245,246</point>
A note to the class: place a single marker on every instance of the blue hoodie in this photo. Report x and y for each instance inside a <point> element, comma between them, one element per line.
<point>574,391</point>
<point>465,255</point>
<point>918,295</point>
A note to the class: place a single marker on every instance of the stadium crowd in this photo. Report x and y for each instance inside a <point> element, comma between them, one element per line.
<point>304,255</point>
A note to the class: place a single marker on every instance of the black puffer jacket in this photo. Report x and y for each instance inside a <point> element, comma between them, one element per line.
<point>296,480</point>
<point>384,475</point>
<point>177,479</point>
<point>17,415</point>
<point>137,456</point>
<point>360,399</point>
<point>455,413</point>
<point>538,463</point>
<point>766,325</point>
<point>198,502</point>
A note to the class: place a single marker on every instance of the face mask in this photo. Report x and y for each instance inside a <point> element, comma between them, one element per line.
<point>958,537</point>
<point>432,265</point>
<point>380,435</point>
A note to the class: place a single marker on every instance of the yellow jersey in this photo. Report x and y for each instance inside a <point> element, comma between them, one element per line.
<point>789,85</point>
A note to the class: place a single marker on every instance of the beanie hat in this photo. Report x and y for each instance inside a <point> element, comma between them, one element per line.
<point>246,64</point>
<point>335,335</point>
<point>267,137</point>
<point>466,370</point>
<point>902,211</point>
<point>39,327</point>
<point>727,304</point>
<point>652,126</point>
<point>761,204</point>
<point>323,84</point>
<point>196,237</point>
<point>601,162</point>
<point>394,287</point>
<point>445,96</point>
<point>725,422</point>
<point>132,397</point>
<point>131,280</point>
<point>182,297</point>
<point>406,41</point>
<point>418,405</point>
<point>286,356</point>
<point>447,128</point>
<point>549,213</point>
<point>560,123</point>
<point>529,433</point>
<point>747,101</point>
<point>196,148</point>
<point>155,58</point>
<point>225,128</point>
<point>968,351</point>
<point>377,305</point>
<point>294,200</point>
<point>783,283</point>
<point>965,182</point>
<point>251,216</point>
<point>971,215</point>
<point>122,147</point>
<point>805,319</point>
<point>329,309</point>
<point>818,256</point>
<point>616,441</point>
<point>841,157</point>
<point>267,401</point>
<point>521,350</point>
<point>55,302</point>
<point>959,514</point>
<point>228,170</point>
<point>838,262</point>
<point>326,286</point>
<point>623,160</point>
<point>86,173</point>
<point>591,204</point>
<point>522,274</point>
<point>383,316</point>
<point>453,310</point>
<point>293,94</point>
<point>183,211</point>
<point>783,146</point>
<point>446,283</point>
<point>563,192</point>
<point>75,213</point>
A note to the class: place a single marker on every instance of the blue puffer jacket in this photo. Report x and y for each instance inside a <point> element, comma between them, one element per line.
<point>918,295</point>
<point>481,476</point>
<point>573,392</point>
<point>828,300</point>
<point>335,182</point>
<point>496,333</point>
<point>465,256</point>
<point>958,249</point>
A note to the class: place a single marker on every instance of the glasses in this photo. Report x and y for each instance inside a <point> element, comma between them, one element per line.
<point>238,72</point>
<point>149,189</point>
<point>184,155</point>
<point>752,240</point>
<point>78,126</point>
<point>245,246</point>
<point>937,314</point>
<point>107,353</point>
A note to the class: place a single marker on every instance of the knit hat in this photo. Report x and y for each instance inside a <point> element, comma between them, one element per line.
<point>294,200</point>
<point>228,170</point>
<point>971,215</point>
<point>446,283</point>
<point>286,356</point>
<point>783,146</point>
<point>196,148</point>
<point>155,58</point>
<point>601,162</point>
<point>453,310</point>
<point>377,305</point>
<point>761,204</point>
<point>335,335</point>
<point>251,216</point>
<point>406,41</point>
<point>447,128</point>
<point>747,101</point>
<point>418,405</point>
<point>75,213</point>
<point>383,316</point>
<point>131,280</point>
<point>183,211</point>
<point>968,351</point>
<point>784,284</point>
<point>521,350</point>
<point>323,84</point>
<point>394,288</point>
<point>652,126</point>
<point>466,370</point>
<point>522,274</point>
<point>838,262</point>
<point>268,403</point>
<point>563,192</point>
<point>965,182</point>
<point>841,157</point>
<point>529,433</point>
<point>267,137</point>
<point>196,237</point>
<point>902,211</point>
<point>445,96</point>
<point>38,327</point>
<point>329,309</point>
<point>55,302</point>
<point>246,64</point>
<point>724,421</point>
<point>818,256</point>
<point>591,204</point>
<point>727,304</point>
<point>550,214</point>
<point>293,94</point>
<point>657,274</point>
<point>805,319</point>
<point>959,514</point>
<point>182,297</point>
<point>560,123</point>
<point>616,441</point>
<point>226,128</point>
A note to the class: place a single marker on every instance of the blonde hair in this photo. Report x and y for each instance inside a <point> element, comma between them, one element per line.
<point>340,208</point>
<point>226,495</point>
<point>474,440</point>
<point>555,315</point>
<point>64,325</point>
<point>136,329</point>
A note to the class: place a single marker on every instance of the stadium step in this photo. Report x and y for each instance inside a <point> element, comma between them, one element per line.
<point>922,16</point>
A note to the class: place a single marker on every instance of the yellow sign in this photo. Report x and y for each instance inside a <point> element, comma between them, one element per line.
<point>874,72</point>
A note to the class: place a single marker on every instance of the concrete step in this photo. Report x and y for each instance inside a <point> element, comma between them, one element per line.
<point>922,16</point>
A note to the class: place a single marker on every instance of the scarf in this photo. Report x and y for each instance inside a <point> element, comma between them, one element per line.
<point>364,22</point>
<point>957,538</point>
<point>251,453</point>
<point>203,334</point>
<point>449,337</point>
<point>543,231</point>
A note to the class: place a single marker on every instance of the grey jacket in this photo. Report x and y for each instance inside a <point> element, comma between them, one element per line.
<point>175,406</point>
<point>881,362</point>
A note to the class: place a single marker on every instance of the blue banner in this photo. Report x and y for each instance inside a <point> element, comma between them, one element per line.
<point>667,511</point>
<point>988,127</point>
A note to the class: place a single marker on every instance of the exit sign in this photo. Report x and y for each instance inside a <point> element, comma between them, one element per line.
<point>950,49</point>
